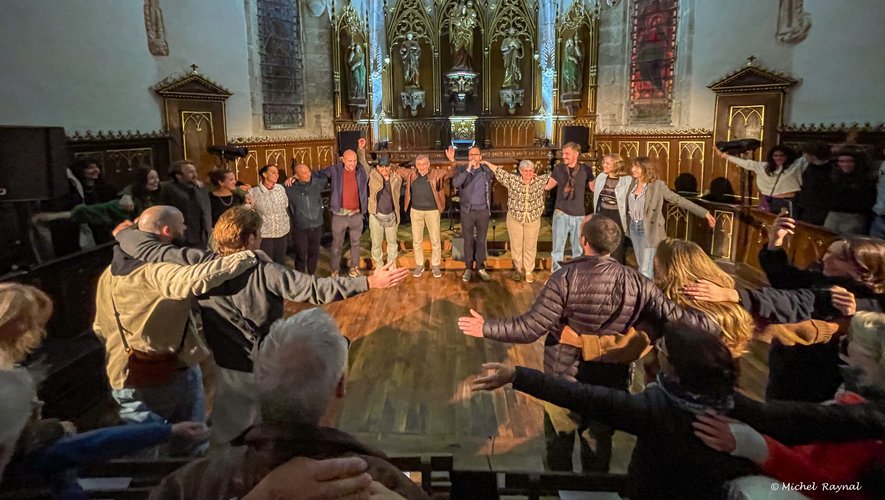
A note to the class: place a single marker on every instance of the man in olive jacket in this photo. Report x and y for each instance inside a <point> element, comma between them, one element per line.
<point>237,316</point>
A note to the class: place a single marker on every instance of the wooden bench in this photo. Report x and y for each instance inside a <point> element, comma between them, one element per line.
<point>145,474</point>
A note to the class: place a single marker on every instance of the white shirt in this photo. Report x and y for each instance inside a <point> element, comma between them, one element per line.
<point>272,205</point>
<point>790,180</point>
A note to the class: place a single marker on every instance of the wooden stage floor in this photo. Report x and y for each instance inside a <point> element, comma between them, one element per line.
<point>410,370</point>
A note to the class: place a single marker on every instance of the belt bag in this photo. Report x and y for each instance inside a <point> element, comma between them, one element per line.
<point>386,220</point>
<point>151,370</point>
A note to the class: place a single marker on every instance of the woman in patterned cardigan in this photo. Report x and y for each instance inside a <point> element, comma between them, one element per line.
<point>525,205</point>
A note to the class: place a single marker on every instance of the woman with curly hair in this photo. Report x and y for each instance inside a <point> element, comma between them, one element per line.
<point>24,312</point>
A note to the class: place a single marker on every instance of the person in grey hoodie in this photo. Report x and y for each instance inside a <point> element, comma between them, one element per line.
<point>238,315</point>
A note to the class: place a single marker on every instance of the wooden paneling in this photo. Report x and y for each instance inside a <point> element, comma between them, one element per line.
<point>678,153</point>
<point>284,153</point>
<point>119,155</point>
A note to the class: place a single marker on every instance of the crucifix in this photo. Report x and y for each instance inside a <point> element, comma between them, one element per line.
<point>194,68</point>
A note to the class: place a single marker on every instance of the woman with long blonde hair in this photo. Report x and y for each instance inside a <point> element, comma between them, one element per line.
<point>679,263</point>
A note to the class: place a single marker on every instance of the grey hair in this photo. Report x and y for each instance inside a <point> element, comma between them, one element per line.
<point>298,367</point>
<point>421,157</point>
<point>526,164</point>
<point>17,392</point>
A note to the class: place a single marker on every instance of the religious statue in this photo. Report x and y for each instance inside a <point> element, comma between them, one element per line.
<point>155,29</point>
<point>572,69</point>
<point>461,25</point>
<point>356,60</point>
<point>410,53</point>
<point>793,22</point>
<point>511,49</point>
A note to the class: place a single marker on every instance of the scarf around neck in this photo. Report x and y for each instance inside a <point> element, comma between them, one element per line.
<point>690,402</point>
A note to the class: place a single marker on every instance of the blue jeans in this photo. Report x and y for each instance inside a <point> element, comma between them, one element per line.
<point>180,400</point>
<point>645,255</point>
<point>565,226</point>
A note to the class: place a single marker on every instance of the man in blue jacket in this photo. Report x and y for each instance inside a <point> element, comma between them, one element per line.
<point>306,207</point>
<point>475,181</point>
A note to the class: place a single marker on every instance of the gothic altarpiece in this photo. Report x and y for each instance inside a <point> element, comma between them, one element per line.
<point>499,73</point>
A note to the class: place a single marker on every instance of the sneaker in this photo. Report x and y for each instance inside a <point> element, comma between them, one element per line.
<point>334,274</point>
<point>529,278</point>
<point>418,271</point>
<point>467,275</point>
<point>354,272</point>
<point>483,275</point>
<point>515,276</point>
<point>437,273</point>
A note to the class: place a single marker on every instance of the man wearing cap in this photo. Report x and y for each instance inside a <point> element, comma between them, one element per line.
<point>384,215</point>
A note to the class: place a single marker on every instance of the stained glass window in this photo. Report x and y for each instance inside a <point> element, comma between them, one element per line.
<point>651,60</point>
<point>279,36</point>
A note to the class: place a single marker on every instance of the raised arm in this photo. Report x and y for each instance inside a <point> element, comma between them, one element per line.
<point>147,247</point>
<point>361,154</point>
<point>744,163</point>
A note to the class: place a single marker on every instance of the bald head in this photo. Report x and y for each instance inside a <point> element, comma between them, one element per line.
<point>349,159</point>
<point>302,172</point>
<point>164,221</point>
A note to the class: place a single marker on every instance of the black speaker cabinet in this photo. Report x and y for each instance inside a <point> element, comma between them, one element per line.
<point>577,134</point>
<point>32,163</point>
<point>348,140</point>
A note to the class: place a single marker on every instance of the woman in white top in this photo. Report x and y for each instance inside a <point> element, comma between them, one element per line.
<point>271,202</point>
<point>610,190</point>
<point>779,177</point>
<point>645,205</point>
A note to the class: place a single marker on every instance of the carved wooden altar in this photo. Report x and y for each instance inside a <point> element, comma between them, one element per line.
<point>418,80</point>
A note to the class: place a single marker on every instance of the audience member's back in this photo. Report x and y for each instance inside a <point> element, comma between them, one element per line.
<point>300,374</point>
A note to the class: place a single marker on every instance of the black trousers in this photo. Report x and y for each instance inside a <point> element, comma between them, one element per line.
<point>559,445</point>
<point>475,230</point>
<point>275,248</point>
<point>307,249</point>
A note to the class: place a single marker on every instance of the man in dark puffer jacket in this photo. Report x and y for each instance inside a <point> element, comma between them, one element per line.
<point>590,294</point>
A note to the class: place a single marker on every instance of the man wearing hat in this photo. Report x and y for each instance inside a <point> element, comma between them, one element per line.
<point>384,214</point>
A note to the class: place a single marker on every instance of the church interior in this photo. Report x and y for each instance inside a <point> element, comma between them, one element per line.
<point>505,100</point>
